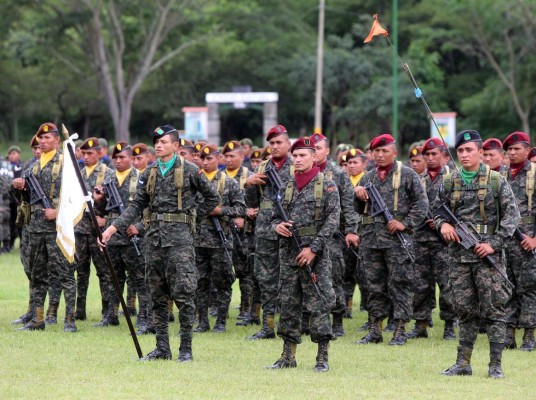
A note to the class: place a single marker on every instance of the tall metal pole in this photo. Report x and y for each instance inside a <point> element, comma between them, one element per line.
<point>394,36</point>
<point>319,67</point>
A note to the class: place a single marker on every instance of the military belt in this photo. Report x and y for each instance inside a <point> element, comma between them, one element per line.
<point>113,215</point>
<point>307,231</point>
<point>266,205</point>
<point>484,229</point>
<point>527,220</point>
<point>171,217</point>
<point>380,220</point>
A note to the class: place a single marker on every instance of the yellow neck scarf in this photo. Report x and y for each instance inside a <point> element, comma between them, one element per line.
<point>46,157</point>
<point>210,175</point>
<point>121,176</point>
<point>355,179</point>
<point>89,170</point>
<point>232,174</point>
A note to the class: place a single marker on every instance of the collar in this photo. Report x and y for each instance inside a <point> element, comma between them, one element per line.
<point>121,176</point>
<point>165,167</point>
<point>211,175</point>
<point>47,157</point>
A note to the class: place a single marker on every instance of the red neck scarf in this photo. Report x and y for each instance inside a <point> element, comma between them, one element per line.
<point>434,172</point>
<point>384,171</point>
<point>322,166</point>
<point>303,178</point>
<point>278,162</point>
<point>516,168</point>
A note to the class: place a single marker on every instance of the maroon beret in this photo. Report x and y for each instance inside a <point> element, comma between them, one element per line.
<point>382,140</point>
<point>275,131</point>
<point>492,144</point>
<point>303,143</point>
<point>317,137</point>
<point>433,143</point>
<point>514,138</point>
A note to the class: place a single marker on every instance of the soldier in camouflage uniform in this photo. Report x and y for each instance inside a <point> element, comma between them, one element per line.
<point>169,189</point>
<point>212,259</point>
<point>521,263</point>
<point>431,262</point>
<point>348,227</point>
<point>46,260</point>
<point>312,204</point>
<point>387,265</point>
<point>493,154</point>
<point>234,156</point>
<point>94,174</point>
<point>5,184</point>
<point>482,198</point>
<point>125,259</point>
<point>259,194</point>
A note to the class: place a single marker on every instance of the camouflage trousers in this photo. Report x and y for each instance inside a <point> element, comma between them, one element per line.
<point>213,264</point>
<point>337,273</point>
<point>25,260</point>
<point>267,273</point>
<point>521,269</point>
<point>297,293</point>
<point>126,262</point>
<point>479,292</point>
<point>171,275</point>
<point>354,275</point>
<point>242,269</point>
<point>48,264</point>
<point>87,250</point>
<point>431,267</point>
<point>389,275</point>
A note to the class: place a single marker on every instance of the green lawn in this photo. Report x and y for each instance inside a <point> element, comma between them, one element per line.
<point>101,363</point>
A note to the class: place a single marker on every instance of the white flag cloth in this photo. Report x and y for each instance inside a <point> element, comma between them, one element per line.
<point>71,207</point>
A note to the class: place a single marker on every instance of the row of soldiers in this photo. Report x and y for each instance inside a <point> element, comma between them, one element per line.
<point>322,203</point>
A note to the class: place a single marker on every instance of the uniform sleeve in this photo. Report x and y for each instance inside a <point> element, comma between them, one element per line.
<point>509,214</point>
<point>331,211</point>
<point>237,204</point>
<point>418,202</point>
<point>136,206</point>
<point>211,198</point>
<point>349,214</point>
<point>253,195</point>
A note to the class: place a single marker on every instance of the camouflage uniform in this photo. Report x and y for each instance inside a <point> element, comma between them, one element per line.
<point>211,258</point>
<point>169,241</point>
<point>521,265</point>
<point>5,183</point>
<point>87,249</point>
<point>387,267</point>
<point>267,244</point>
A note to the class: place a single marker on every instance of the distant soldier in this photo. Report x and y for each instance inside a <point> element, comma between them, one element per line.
<point>140,159</point>
<point>482,199</point>
<point>247,145</point>
<point>417,161</point>
<point>493,154</point>
<point>313,207</point>
<point>104,153</point>
<point>169,189</point>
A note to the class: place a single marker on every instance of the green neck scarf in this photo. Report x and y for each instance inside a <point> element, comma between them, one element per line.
<point>468,176</point>
<point>165,167</point>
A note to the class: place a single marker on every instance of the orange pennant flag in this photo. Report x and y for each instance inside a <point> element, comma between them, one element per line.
<point>376,29</point>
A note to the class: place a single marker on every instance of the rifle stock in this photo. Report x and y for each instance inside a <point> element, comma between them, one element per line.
<point>37,194</point>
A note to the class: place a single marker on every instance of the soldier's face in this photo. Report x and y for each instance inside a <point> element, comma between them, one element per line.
<point>469,156</point>
<point>186,154</point>
<point>210,163</point>
<point>518,153</point>
<point>197,160</point>
<point>140,161</point>
<point>355,166</point>
<point>122,161</point>
<point>493,158</point>
<point>418,164</point>
<point>434,158</point>
<point>165,147</point>
<point>233,160</point>
<point>255,162</point>
<point>322,151</point>
<point>36,151</point>
<point>91,157</point>
<point>303,159</point>
<point>48,142</point>
<point>279,146</point>
<point>385,156</point>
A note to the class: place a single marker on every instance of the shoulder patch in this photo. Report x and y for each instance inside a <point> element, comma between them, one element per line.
<point>331,188</point>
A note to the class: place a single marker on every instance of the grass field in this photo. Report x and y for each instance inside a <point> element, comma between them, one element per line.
<point>101,362</point>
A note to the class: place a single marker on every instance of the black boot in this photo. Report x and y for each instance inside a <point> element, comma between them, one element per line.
<point>52,314</point>
<point>37,323</point>
<point>399,336</point>
<point>23,319</point>
<point>495,356</point>
<point>528,340</point>
<point>448,333</point>
<point>162,351</point>
<point>322,356</point>
<point>374,334</point>
<point>419,331</point>
<point>203,325</point>
<point>219,327</point>
<point>110,319</point>
<point>364,327</point>
<point>349,307</point>
<point>267,330</point>
<point>288,357</point>
<point>391,325</point>
<point>338,328</point>
<point>80,313</point>
<point>463,362</point>
<point>510,341</point>
<point>185,349</point>
<point>69,324</point>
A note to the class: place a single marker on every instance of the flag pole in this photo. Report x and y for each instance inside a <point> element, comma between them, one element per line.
<point>93,218</point>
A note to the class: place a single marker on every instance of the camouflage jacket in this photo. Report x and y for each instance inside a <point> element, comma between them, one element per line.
<point>85,226</point>
<point>127,191</point>
<point>519,188</point>
<point>499,205</point>
<point>258,196</point>
<point>348,223</point>
<point>232,206</point>
<point>302,210</point>
<point>249,226</point>
<point>164,200</point>
<point>412,206</point>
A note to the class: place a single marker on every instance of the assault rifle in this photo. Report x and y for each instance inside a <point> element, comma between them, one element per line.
<point>341,236</point>
<point>521,236</point>
<point>468,239</point>
<point>378,207</point>
<point>37,193</point>
<point>236,234</point>
<point>115,203</point>
<point>219,229</point>
<point>277,187</point>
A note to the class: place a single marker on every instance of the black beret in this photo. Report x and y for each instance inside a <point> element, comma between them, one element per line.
<point>469,135</point>
<point>162,131</point>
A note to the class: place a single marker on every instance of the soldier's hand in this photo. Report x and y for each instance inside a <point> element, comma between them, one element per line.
<point>50,214</point>
<point>283,229</point>
<point>528,243</point>
<point>483,249</point>
<point>394,226</point>
<point>216,212</point>
<point>256,179</point>
<point>132,231</point>
<point>430,223</point>
<point>252,213</point>
<point>361,193</point>
<point>101,221</point>
<point>352,240</point>
<point>106,235</point>
<point>18,183</point>
<point>305,257</point>
<point>449,233</point>
<point>239,222</point>
<point>98,194</point>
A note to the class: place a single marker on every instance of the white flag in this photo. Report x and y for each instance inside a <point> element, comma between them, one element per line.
<point>71,207</point>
